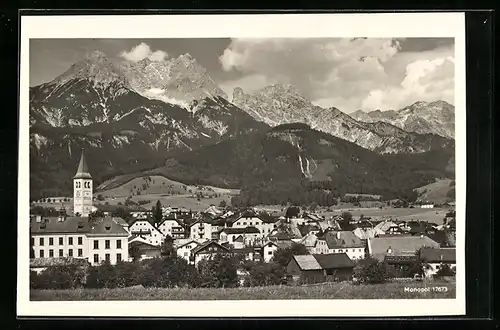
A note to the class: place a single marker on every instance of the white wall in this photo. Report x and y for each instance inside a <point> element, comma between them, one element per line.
<point>113,249</point>
<point>268,252</point>
<point>66,247</point>
<point>155,237</point>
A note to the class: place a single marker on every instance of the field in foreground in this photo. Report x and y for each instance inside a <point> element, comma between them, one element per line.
<point>393,290</point>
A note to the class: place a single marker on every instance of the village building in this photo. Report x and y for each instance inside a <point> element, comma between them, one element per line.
<point>265,225</point>
<point>247,253</point>
<point>317,268</point>
<point>271,247</point>
<point>435,258</point>
<point>141,250</point>
<point>389,228</point>
<point>250,235</point>
<point>200,230</point>
<point>345,242</point>
<point>145,229</point>
<point>93,239</point>
<point>396,245</point>
<point>206,251</point>
<point>82,189</point>
<point>184,250</point>
<point>170,226</point>
<point>366,233</point>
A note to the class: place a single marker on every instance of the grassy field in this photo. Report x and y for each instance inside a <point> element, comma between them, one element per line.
<point>435,192</point>
<point>345,290</point>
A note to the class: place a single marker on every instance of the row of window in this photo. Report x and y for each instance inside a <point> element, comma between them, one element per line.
<point>107,244</point>
<point>107,257</point>
<point>61,253</point>
<point>61,241</point>
<point>86,184</point>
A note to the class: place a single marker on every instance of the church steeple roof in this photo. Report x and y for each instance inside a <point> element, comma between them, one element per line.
<point>83,170</point>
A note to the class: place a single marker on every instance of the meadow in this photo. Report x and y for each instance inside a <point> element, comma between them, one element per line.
<point>343,290</point>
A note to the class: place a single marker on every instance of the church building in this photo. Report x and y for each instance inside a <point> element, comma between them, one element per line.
<point>79,236</point>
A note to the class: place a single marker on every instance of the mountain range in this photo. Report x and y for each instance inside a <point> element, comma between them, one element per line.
<point>132,116</point>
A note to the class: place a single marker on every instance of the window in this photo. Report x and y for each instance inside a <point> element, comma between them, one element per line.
<point>80,241</point>
<point>108,257</point>
<point>61,252</point>
<point>96,258</point>
<point>118,244</point>
<point>41,241</point>
<point>80,252</point>
<point>118,257</point>
<point>51,253</point>
<point>70,252</point>
<point>244,223</point>
<point>70,240</point>
<point>106,244</point>
<point>41,254</point>
<point>61,241</point>
<point>96,245</point>
<point>51,241</point>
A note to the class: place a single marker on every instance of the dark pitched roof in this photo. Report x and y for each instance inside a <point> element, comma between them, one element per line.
<point>246,230</point>
<point>144,245</point>
<point>438,255</point>
<point>334,260</point>
<point>347,240</point>
<point>107,227</point>
<point>207,244</point>
<point>83,170</point>
<point>51,225</point>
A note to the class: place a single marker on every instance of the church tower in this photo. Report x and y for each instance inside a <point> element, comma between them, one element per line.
<point>82,189</point>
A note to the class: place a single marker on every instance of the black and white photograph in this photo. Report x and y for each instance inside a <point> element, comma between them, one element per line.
<point>172,166</point>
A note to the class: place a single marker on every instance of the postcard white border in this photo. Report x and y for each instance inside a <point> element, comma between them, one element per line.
<point>261,26</point>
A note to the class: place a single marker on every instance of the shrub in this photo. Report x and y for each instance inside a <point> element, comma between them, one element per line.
<point>444,270</point>
<point>219,271</point>
<point>371,271</point>
<point>58,277</point>
<point>168,272</point>
<point>263,274</point>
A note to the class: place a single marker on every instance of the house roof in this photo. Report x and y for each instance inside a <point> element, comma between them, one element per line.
<point>83,171</point>
<point>346,240</point>
<point>334,260</point>
<point>239,239</point>
<point>385,225</point>
<point>307,262</point>
<point>438,255</point>
<point>107,227</point>
<point>120,221</point>
<point>280,244</point>
<point>400,245</point>
<point>66,261</point>
<point>365,233</point>
<point>51,225</point>
<point>189,242</point>
<point>247,230</point>
<point>142,245</point>
<point>206,244</point>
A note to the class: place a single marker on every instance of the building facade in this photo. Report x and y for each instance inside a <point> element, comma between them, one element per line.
<point>82,189</point>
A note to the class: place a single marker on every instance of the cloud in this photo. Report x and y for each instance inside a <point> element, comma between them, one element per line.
<point>346,73</point>
<point>143,51</point>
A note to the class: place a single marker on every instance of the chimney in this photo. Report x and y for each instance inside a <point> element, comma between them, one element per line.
<point>421,235</point>
<point>338,235</point>
<point>38,218</point>
<point>389,250</point>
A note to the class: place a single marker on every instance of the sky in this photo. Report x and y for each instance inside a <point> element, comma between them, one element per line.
<point>349,74</point>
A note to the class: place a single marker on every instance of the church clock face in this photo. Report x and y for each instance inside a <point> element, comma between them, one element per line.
<point>87,194</point>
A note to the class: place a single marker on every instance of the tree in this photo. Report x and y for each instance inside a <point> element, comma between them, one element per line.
<point>292,211</point>
<point>283,256</point>
<point>371,271</point>
<point>313,207</point>
<point>219,271</point>
<point>157,213</point>
<point>100,197</point>
<point>222,203</point>
<point>444,270</point>
<point>167,249</point>
<point>346,216</point>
